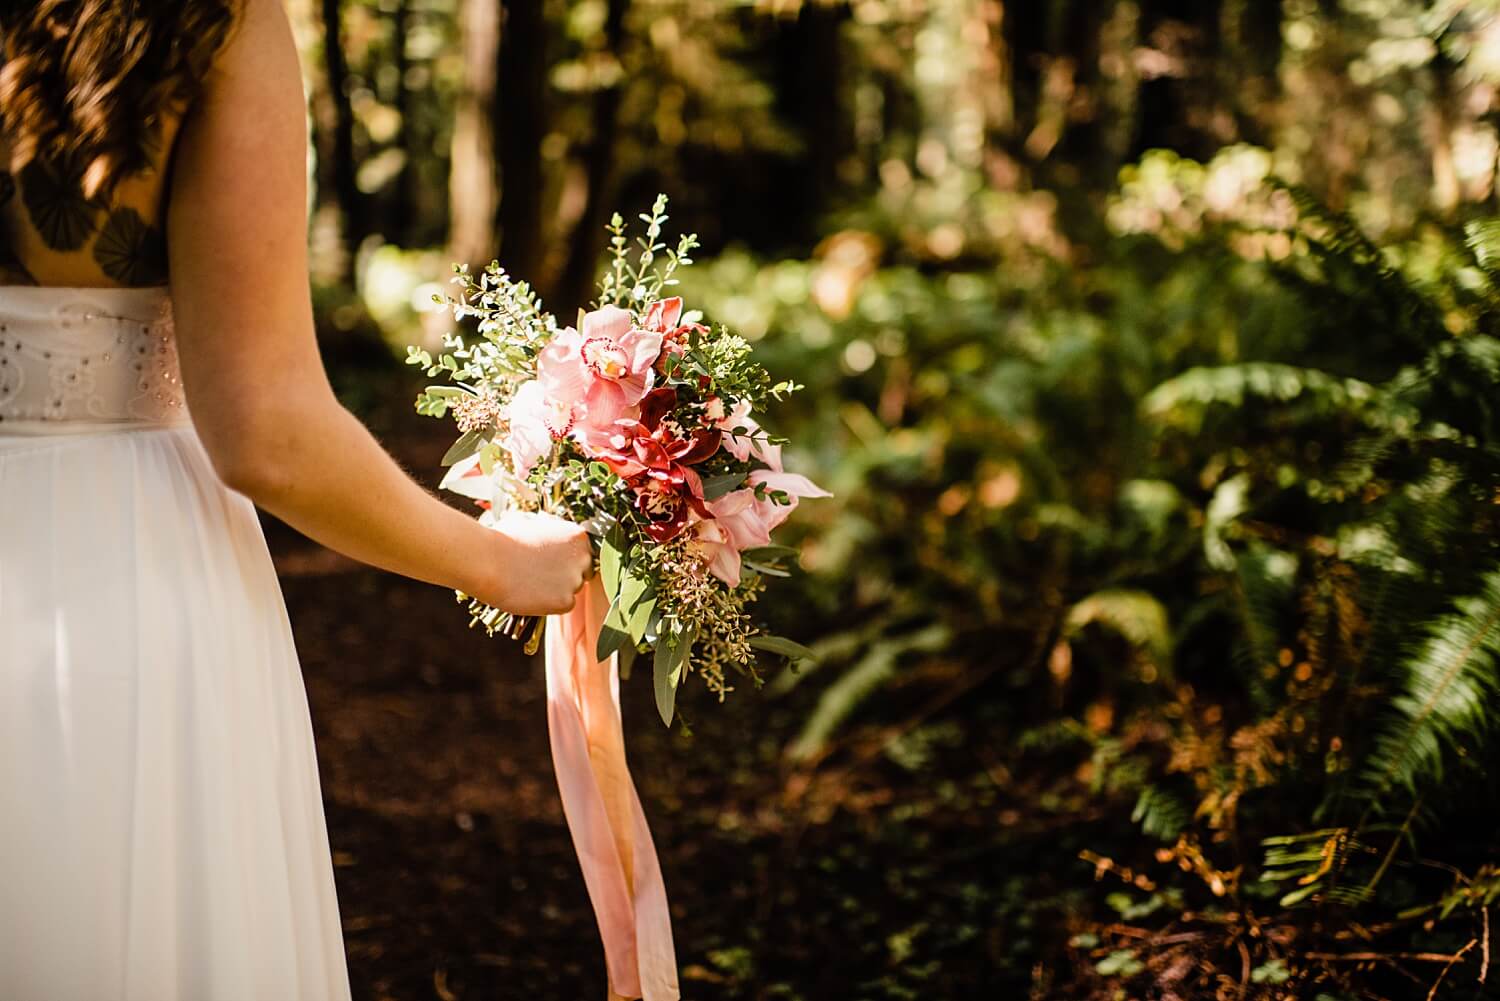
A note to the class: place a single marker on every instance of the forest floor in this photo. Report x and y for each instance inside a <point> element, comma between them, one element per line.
<point>908,863</point>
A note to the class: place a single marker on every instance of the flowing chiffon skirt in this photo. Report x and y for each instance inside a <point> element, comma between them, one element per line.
<point>161,827</point>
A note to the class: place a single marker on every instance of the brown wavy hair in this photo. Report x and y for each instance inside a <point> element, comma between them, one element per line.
<point>90,83</point>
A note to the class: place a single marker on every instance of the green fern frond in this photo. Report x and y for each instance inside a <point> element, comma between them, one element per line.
<point>1161,813</point>
<point>1482,238</point>
<point>1313,863</point>
<point>1183,403</point>
<point>858,683</point>
<point>1450,682</point>
<point>1357,272</point>
<point>1264,585</point>
<point>1342,235</point>
<point>1138,616</point>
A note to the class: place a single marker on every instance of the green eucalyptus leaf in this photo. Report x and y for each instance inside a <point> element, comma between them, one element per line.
<point>780,644</point>
<point>668,667</point>
<point>466,446</point>
<point>611,561</point>
<point>715,487</point>
<point>762,554</point>
<point>632,589</point>
<point>640,617</point>
<point>488,456</point>
<point>612,637</point>
<point>762,568</point>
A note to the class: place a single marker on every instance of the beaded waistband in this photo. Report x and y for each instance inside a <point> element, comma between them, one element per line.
<point>82,361</point>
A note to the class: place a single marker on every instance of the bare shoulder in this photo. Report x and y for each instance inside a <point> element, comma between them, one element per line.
<point>237,219</point>
<point>259,57</point>
<point>249,128</point>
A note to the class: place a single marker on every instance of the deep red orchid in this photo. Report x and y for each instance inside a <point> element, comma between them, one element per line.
<point>653,456</point>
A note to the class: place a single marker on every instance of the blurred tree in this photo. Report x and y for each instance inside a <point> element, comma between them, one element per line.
<point>473,198</point>
<point>341,166</point>
<point>575,286</point>
<point>522,108</point>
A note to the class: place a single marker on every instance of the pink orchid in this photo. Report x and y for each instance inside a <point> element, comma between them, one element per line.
<point>536,419</point>
<point>742,521</point>
<point>794,485</point>
<point>603,371</point>
<point>743,437</point>
<point>466,479</point>
<point>712,545</point>
<point>665,317</point>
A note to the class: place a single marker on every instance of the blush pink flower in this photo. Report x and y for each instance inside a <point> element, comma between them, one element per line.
<point>794,485</point>
<point>711,544</point>
<point>603,371</point>
<point>742,520</point>
<point>537,419</point>
<point>744,438</point>
<point>665,317</point>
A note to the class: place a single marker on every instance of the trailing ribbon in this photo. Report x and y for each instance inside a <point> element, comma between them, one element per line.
<point>604,812</point>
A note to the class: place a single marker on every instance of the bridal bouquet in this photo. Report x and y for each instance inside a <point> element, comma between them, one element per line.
<point>639,421</point>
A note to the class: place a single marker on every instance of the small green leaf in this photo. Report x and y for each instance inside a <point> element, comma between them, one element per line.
<point>767,570</point>
<point>763,554</point>
<point>780,644</point>
<point>1120,963</point>
<point>1300,894</point>
<point>466,446</point>
<point>1273,971</point>
<point>488,456</point>
<point>715,487</point>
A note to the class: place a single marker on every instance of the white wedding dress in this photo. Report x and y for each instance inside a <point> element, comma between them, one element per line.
<point>161,827</point>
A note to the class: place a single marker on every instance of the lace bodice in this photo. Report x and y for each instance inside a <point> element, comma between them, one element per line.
<point>75,358</point>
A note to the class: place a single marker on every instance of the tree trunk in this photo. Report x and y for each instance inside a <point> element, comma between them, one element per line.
<point>346,190</point>
<point>994,72</point>
<point>575,287</point>
<point>1085,134</point>
<point>1179,105</point>
<point>399,228</point>
<point>520,126</point>
<point>1250,66</point>
<point>472,194</point>
<point>1023,33</point>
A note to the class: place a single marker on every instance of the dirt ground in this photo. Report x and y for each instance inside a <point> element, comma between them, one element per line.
<point>870,877</point>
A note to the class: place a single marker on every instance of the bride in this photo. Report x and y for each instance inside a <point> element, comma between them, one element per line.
<point>161,830</point>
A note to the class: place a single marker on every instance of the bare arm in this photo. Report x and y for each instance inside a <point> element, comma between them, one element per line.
<point>237,234</point>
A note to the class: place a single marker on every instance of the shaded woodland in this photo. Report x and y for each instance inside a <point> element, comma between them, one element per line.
<point>1151,352</point>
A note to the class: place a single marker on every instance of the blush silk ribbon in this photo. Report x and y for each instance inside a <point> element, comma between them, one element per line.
<point>604,814</point>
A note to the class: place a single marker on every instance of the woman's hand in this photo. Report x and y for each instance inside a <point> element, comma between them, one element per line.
<point>542,564</point>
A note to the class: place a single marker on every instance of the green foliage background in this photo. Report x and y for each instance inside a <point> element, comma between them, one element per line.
<point>1151,354</point>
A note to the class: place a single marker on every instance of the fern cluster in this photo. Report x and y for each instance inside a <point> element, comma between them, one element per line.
<point>1349,566</point>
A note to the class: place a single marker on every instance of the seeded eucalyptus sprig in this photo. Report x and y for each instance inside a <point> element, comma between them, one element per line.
<point>628,284</point>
